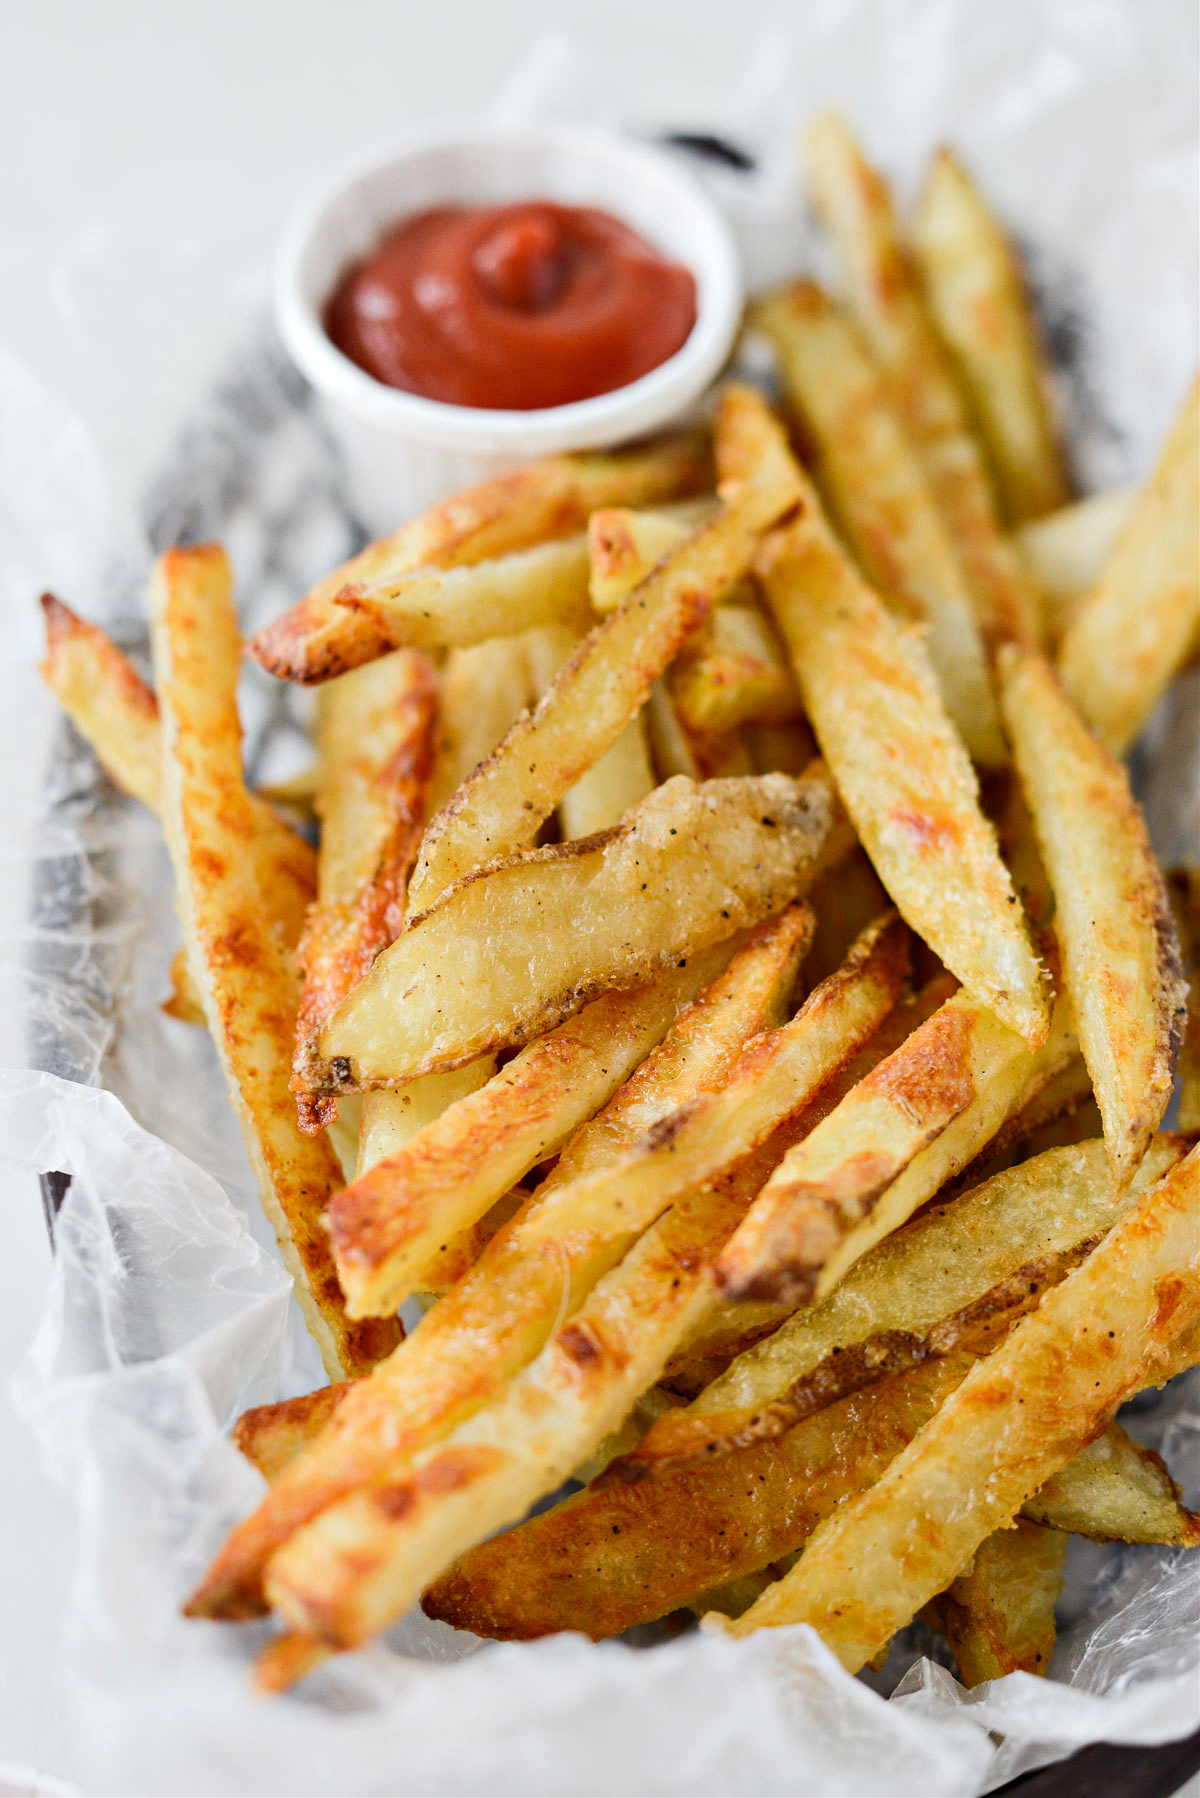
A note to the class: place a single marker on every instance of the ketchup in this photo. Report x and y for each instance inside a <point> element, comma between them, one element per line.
<point>514,307</point>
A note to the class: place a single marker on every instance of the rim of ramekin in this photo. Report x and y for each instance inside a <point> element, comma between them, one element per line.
<point>642,406</point>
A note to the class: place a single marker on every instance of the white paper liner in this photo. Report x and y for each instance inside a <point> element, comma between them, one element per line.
<point>169,1312</point>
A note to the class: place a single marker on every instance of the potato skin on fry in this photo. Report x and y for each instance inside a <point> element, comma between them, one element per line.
<point>508,953</point>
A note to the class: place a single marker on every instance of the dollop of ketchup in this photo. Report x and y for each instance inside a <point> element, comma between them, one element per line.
<point>511,307</point>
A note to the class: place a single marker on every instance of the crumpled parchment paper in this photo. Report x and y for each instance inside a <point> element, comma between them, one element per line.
<point>169,1312</point>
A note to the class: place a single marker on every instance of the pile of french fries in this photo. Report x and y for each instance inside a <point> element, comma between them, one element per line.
<point>733,990</point>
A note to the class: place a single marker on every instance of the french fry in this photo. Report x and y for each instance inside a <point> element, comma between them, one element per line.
<point>1185,902</point>
<point>547,1258</point>
<point>318,639</point>
<point>624,544</point>
<point>184,1002</point>
<point>922,1291</point>
<point>1135,628</point>
<point>271,1436</point>
<point>386,1226</point>
<point>376,735</point>
<point>1065,552</point>
<point>604,683</point>
<point>445,608</point>
<point>509,954</point>
<point>854,204</point>
<point>238,961</point>
<point>114,709</point>
<point>617,1555</point>
<point>976,292</point>
<point>880,499</point>
<point>732,672</point>
<point>998,1617</point>
<point>621,778</point>
<point>1113,922</point>
<point>1114,1490</point>
<point>1017,1418</point>
<point>866,683</point>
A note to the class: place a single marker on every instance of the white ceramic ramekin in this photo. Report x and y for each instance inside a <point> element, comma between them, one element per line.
<point>402,452</point>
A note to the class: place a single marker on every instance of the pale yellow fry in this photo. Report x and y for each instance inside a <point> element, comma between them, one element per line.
<point>855,206</point>
<point>603,684</point>
<point>391,1221</point>
<point>624,545</point>
<point>1112,918</point>
<point>1114,1490</point>
<point>318,639</point>
<point>733,671</point>
<point>453,607</point>
<point>1066,551</point>
<point>621,778</point>
<point>509,954</point>
<point>1016,1419</point>
<point>976,292</point>
<point>919,1292</point>
<point>900,768</point>
<point>1134,629</point>
<point>880,498</point>
<point>538,1267</point>
<point>239,962</point>
<point>998,1616</point>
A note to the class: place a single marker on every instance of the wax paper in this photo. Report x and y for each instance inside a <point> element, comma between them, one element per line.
<point>169,1312</point>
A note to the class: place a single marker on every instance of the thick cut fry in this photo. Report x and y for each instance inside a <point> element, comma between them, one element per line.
<point>271,1436</point>
<point>1114,1490</point>
<point>843,1190</point>
<point>1017,1418</point>
<point>111,706</point>
<point>376,735</point>
<point>385,1227</point>
<point>1066,552</point>
<point>856,207</point>
<point>732,672</point>
<point>538,1266</point>
<point>976,293</point>
<point>1185,903</point>
<point>1112,919</point>
<point>238,961</point>
<point>900,769</point>
<point>999,1616</point>
<point>617,1555</point>
<point>621,778</point>
<point>624,545</point>
<point>507,955</point>
<point>593,697</point>
<point>880,498</point>
<point>318,639</point>
<point>446,608</point>
<point>1135,628</point>
<point>921,1292</point>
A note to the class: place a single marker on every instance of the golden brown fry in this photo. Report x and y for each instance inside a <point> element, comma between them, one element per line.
<point>731,672</point>
<point>498,810</point>
<point>880,498</point>
<point>855,206</point>
<point>116,711</point>
<point>866,684</point>
<point>1135,628</point>
<point>387,1225</point>
<point>922,1291</point>
<point>509,954</point>
<point>184,1002</point>
<point>621,778</point>
<point>1114,1490</point>
<point>544,1261</point>
<point>318,639</point>
<point>1016,1419</point>
<point>238,960</point>
<point>376,734</point>
<point>1112,920</point>
<point>998,1616</point>
<point>617,1555</point>
<point>1185,902</point>
<point>976,292</point>
<point>1066,551</point>
<point>271,1436</point>
<point>444,608</point>
<point>624,545</point>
